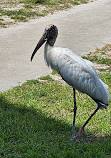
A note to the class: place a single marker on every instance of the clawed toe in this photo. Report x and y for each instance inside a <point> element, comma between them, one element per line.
<point>80,132</point>
<point>74,138</point>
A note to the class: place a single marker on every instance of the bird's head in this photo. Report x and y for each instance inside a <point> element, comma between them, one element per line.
<point>49,35</point>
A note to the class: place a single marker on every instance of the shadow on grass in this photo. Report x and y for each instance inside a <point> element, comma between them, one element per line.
<point>30,133</point>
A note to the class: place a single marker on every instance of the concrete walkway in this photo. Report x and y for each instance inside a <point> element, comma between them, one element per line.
<point>82,29</point>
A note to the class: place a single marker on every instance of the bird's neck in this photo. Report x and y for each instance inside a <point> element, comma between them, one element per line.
<point>47,53</point>
<point>52,39</point>
<point>51,55</point>
<point>51,42</point>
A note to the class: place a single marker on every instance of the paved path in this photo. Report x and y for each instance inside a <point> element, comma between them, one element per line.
<point>82,29</point>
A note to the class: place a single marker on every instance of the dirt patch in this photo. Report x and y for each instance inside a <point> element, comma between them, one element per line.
<point>100,67</point>
<point>57,78</point>
<point>21,11</point>
<point>15,11</point>
<point>101,59</point>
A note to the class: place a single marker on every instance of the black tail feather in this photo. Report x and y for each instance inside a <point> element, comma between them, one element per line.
<point>102,105</point>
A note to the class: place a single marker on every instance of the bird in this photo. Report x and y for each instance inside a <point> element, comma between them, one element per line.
<point>79,73</point>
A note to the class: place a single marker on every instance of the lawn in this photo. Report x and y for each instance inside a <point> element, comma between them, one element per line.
<point>14,11</point>
<point>36,122</point>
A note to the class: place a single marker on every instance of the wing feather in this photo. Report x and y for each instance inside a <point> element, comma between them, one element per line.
<point>82,77</point>
<point>77,72</point>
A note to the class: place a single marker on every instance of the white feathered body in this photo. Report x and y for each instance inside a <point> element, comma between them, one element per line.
<point>77,72</point>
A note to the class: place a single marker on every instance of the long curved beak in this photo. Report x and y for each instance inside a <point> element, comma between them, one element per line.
<point>39,44</point>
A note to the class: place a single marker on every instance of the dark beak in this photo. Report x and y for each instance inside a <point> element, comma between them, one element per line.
<point>39,44</point>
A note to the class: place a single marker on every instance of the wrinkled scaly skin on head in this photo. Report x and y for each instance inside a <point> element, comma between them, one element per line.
<point>49,35</point>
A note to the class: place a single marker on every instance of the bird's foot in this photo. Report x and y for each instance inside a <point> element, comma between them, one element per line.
<point>80,132</point>
<point>74,138</point>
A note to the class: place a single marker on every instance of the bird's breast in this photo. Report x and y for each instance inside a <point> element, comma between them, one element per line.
<point>51,56</point>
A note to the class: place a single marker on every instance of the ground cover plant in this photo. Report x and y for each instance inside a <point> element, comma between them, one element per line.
<point>36,121</point>
<point>13,11</point>
<point>101,57</point>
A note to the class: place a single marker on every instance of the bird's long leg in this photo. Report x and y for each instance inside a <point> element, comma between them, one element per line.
<point>74,109</point>
<point>82,128</point>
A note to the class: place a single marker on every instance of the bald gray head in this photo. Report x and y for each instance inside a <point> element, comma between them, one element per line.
<point>49,36</point>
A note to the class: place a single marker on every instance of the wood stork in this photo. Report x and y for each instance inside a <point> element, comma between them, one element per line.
<point>74,70</point>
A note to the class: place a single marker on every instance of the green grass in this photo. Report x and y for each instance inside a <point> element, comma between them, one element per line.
<point>106,48</point>
<point>33,1</point>
<point>98,60</point>
<point>32,8</point>
<point>47,78</point>
<point>101,56</point>
<point>54,72</point>
<point>36,121</point>
<point>54,2</point>
<point>20,15</point>
<point>28,6</point>
<point>106,78</point>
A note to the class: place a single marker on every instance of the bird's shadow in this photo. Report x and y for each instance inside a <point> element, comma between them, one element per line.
<point>24,129</point>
